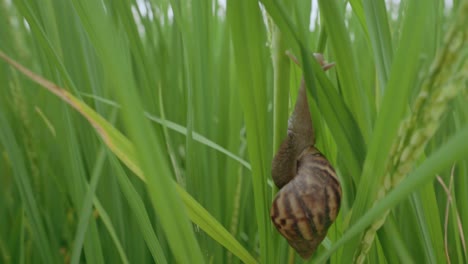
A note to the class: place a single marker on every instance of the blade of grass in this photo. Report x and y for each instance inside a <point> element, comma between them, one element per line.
<point>346,65</point>
<point>138,208</point>
<point>182,130</point>
<point>86,210</point>
<point>377,22</point>
<point>246,28</point>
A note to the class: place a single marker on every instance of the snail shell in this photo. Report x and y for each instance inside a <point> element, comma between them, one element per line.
<point>309,198</point>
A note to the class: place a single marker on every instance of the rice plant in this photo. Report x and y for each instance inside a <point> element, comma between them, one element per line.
<point>143,131</point>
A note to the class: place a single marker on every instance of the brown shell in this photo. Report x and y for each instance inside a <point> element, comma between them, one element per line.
<point>304,209</point>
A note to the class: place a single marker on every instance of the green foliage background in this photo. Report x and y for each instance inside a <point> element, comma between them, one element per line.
<point>194,98</point>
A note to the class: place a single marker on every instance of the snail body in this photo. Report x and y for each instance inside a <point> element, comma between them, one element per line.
<point>309,196</point>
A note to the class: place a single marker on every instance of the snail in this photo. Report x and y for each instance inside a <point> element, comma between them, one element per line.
<point>309,196</point>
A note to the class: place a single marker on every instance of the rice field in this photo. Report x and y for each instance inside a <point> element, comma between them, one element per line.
<point>143,131</point>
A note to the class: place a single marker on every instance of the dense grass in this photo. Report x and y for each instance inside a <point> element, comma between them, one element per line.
<point>143,131</point>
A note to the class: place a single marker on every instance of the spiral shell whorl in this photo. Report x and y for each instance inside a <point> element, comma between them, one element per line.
<point>304,209</point>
